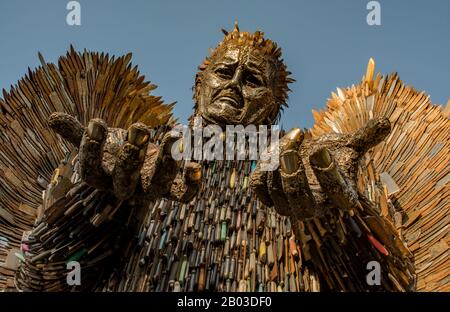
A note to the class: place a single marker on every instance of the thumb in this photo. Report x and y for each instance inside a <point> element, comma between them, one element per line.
<point>66,126</point>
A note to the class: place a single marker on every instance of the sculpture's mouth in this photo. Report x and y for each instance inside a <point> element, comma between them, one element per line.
<point>229,98</point>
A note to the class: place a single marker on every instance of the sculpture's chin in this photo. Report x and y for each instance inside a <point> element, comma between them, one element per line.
<point>222,114</point>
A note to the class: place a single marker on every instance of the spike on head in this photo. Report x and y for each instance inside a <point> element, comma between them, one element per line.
<point>236,26</point>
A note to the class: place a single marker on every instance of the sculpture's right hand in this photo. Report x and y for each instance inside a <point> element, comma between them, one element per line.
<point>132,161</point>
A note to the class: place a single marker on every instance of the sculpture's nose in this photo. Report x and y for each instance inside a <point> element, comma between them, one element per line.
<point>236,81</point>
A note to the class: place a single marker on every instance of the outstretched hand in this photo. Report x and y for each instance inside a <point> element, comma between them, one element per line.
<point>317,174</point>
<point>125,162</point>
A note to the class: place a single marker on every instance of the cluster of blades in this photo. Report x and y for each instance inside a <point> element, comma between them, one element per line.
<point>86,85</point>
<point>411,166</point>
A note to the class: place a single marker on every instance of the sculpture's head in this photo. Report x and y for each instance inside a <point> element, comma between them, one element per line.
<point>243,81</point>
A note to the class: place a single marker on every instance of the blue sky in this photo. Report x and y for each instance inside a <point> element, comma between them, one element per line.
<point>326,44</point>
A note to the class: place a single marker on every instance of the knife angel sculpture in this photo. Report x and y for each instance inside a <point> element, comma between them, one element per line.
<point>367,184</point>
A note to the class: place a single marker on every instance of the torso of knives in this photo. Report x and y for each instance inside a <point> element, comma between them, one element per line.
<point>223,240</point>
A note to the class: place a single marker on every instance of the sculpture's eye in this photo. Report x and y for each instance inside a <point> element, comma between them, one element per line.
<point>224,72</point>
<point>253,80</point>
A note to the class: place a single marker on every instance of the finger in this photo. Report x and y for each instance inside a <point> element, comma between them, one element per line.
<point>167,168</point>
<point>337,189</point>
<point>91,155</point>
<point>193,172</point>
<point>375,131</point>
<point>258,183</point>
<point>276,193</point>
<point>293,177</point>
<point>167,143</point>
<point>126,172</point>
<point>67,126</point>
<point>186,186</point>
<point>291,140</point>
<point>160,169</point>
<point>267,185</point>
<point>265,181</point>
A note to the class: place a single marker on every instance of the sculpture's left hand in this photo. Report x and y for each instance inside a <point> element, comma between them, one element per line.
<point>317,174</point>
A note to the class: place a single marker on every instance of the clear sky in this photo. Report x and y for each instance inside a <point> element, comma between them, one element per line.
<point>326,44</point>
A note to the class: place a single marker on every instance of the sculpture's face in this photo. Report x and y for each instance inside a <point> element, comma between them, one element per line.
<point>237,88</point>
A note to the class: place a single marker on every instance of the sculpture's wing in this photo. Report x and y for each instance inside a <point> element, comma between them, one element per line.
<point>413,165</point>
<point>85,85</point>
